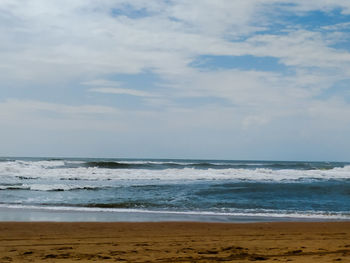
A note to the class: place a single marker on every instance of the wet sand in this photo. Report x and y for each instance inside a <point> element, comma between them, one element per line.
<point>175,242</point>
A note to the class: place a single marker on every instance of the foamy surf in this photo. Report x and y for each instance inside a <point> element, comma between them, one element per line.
<point>172,171</point>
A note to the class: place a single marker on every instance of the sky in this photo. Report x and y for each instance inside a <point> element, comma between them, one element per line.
<point>208,79</point>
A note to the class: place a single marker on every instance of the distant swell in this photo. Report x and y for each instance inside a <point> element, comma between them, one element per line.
<point>9,188</point>
<point>109,165</point>
<point>51,188</point>
<point>71,189</point>
<point>213,165</point>
<point>134,204</point>
<point>124,205</point>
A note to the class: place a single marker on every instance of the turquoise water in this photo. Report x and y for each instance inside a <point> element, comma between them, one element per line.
<point>180,189</point>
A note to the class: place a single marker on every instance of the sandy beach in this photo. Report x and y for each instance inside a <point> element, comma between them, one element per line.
<point>174,242</point>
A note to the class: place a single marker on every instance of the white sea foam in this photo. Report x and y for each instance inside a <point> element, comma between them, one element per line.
<point>57,170</point>
<point>58,187</point>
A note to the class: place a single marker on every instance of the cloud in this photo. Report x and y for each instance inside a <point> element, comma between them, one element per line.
<point>13,105</point>
<point>50,41</point>
<point>300,48</point>
<point>103,83</point>
<point>50,47</point>
<point>42,116</point>
<point>337,26</point>
<point>326,6</point>
<point>112,87</point>
<point>122,91</point>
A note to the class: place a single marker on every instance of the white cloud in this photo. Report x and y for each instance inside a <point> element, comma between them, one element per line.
<point>300,48</point>
<point>102,83</point>
<point>338,26</point>
<point>28,105</point>
<point>85,42</point>
<point>131,92</point>
<point>43,40</point>
<point>113,87</point>
<point>325,5</point>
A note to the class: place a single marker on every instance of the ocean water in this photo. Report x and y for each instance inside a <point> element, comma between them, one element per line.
<point>208,188</point>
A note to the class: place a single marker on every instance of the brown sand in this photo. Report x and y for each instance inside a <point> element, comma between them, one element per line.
<point>174,242</point>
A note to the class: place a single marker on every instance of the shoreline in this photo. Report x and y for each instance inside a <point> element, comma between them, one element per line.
<point>61,214</point>
<point>174,242</point>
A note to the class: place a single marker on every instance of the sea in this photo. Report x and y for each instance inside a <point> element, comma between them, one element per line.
<point>97,189</point>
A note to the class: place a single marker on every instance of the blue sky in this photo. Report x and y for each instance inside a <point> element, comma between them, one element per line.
<point>223,79</point>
